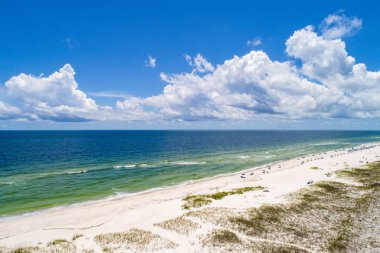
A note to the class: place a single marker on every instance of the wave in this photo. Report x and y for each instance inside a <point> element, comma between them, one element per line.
<point>124,166</point>
<point>76,172</point>
<point>145,165</point>
<point>244,156</point>
<point>265,156</point>
<point>6,183</point>
<point>324,143</point>
<point>187,163</point>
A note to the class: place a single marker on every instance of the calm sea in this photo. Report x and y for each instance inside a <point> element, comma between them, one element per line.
<point>43,169</point>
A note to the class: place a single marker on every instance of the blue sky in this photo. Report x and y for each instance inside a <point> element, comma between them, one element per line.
<point>107,44</point>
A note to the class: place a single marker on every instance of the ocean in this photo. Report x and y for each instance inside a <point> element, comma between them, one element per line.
<point>45,169</point>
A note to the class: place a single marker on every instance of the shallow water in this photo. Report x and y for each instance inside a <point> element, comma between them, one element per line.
<point>42,169</point>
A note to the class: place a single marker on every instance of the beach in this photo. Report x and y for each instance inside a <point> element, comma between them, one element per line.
<point>79,224</point>
<point>190,127</point>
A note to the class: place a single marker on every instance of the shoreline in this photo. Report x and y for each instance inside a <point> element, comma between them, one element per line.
<point>168,187</point>
<point>98,216</point>
<point>29,210</point>
<point>127,195</point>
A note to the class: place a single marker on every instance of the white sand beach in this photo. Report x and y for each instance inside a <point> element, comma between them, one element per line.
<point>144,210</point>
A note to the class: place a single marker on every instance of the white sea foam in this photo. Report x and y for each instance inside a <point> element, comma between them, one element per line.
<point>244,156</point>
<point>324,143</point>
<point>77,172</point>
<point>6,183</point>
<point>266,156</point>
<point>144,165</point>
<point>124,166</point>
<point>187,163</point>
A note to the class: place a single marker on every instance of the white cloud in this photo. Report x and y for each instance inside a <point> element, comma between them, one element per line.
<point>321,58</point>
<point>336,26</point>
<point>58,98</point>
<point>54,97</point>
<point>254,42</point>
<point>329,84</point>
<point>188,59</point>
<point>8,111</point>
<point>240,88</point>
<point>326,83</point>
<point>150,62</point>
<point>328,62</point>
<point>199,63</point>
<point>132,109</point>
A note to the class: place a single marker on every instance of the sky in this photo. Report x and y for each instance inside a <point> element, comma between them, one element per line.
<point>189,64</point>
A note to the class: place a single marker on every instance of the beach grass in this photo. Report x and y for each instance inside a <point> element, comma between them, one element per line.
<point>325,217</point>
<point>76,237</point>
<point>222,236</point>
<point>56,246</point>
<point>180,225</point>
<point>25,250</point>
<point>61,246</point>
<point>328,216</point>
<point>132,240</point>
<point>195,201</point>
<point>57,242</point>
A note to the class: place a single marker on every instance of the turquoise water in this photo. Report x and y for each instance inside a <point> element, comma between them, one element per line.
<point>43,169</point>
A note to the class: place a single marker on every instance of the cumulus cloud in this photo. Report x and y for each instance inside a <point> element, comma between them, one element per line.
<point>240,88</point>
<point>320,80</point>
<point>322,58</point>
<point>199,63</point>
<point>254,42</point>
<point>55,97</point>
<point>328,84</point>
<point>150,62</point>
<point>328,62</point>
<point>336,26</point>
